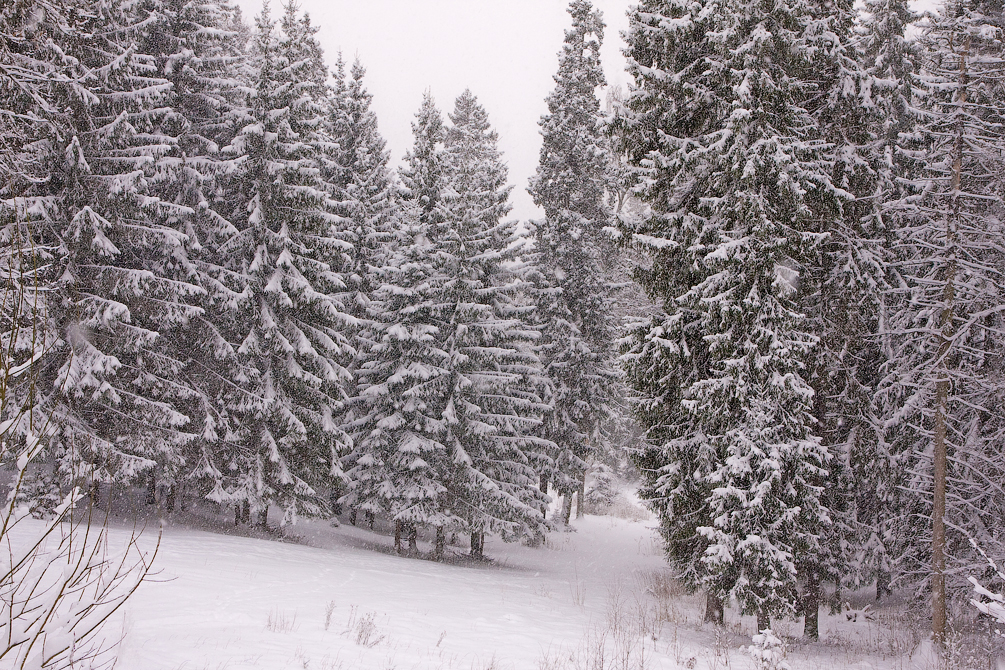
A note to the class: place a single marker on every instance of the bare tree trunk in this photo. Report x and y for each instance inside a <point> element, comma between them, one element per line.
<point>237,514</point>
<point>581,495</point>
<point>567,507</point>
<point>543,486</point>
<point>882,584</point>
<point>938,517</point>
<point>246,512</point>
<point>151,488</point>
<point>397,536</point>
<point>715,610</point>
<point>763,620</point>
<point>438,546</point>
<point>477,538</point>
<point>811,607</point>
<point>942,388</point>
<point>413,536</point>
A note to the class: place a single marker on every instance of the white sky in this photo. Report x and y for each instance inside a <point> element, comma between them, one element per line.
<point>505,51</point>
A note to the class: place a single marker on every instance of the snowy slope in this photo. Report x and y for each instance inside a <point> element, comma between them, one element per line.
<point>214,597</point>
<point>225,602</point>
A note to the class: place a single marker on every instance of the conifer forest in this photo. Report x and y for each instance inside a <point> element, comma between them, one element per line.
<point>768,285</point>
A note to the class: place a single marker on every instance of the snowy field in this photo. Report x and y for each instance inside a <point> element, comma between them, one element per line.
<point>329,598</point>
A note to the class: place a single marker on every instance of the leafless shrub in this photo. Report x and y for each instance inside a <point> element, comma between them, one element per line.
<point>281,622</point>
<point>59,582</point>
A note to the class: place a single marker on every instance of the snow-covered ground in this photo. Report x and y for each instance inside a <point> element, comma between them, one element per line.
<point>338,597</point>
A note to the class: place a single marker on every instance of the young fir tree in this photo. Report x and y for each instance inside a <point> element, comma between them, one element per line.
<point>573,300</point>
<point>284,438</point>
<point>730,161</point>
<point>491,395</point>
<point>945,324</point>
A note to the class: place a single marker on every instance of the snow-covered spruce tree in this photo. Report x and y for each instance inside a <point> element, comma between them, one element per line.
<point>841,286</point>
<point>58,585</point>
<point>399,459</point>
<point>368,196</point>
<point>284,437</point>
<point>110,383</point>
<point>730,161</point>
<point>422,175</point>
<point>199,48</point>
<point>878,458</point>
<point>946,321</point>
<point>571,293</point>
<point>492,401</point>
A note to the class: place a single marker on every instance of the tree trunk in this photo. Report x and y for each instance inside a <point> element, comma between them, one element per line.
<point>567,507</point>
<point>942,387</point>
<point>369,519</point>
<point>263,517</point>
<point>715,610</point>
<point>151,488</point>
<point>438,546</point>
<point>182,503</point>
<point>237,514</point>
<point>333,495</point>
<point>811,607</point>
<point>397,536</point>
<point>246,512</point>
<point>763,620</point>
<point>938,517</point>
<point>169,501</point>
<point>581,496</point>
<point>413,536</point>
<point>882,584</point>
<point>477,538</point>
<point>543,486</point>
<point>352,516</point>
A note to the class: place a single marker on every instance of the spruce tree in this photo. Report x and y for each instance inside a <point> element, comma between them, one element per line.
<point>492,404</point>
<point>198,47</point>
<point>368,197</point>
<point>880,458</point>
<point>729,159</point>
<point>399,460</point>
<point>111,382</point>
<point>284,437</point>
<point>573,300</point>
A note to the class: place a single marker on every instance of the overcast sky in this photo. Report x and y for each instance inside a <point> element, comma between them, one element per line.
<point>505,51</point>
